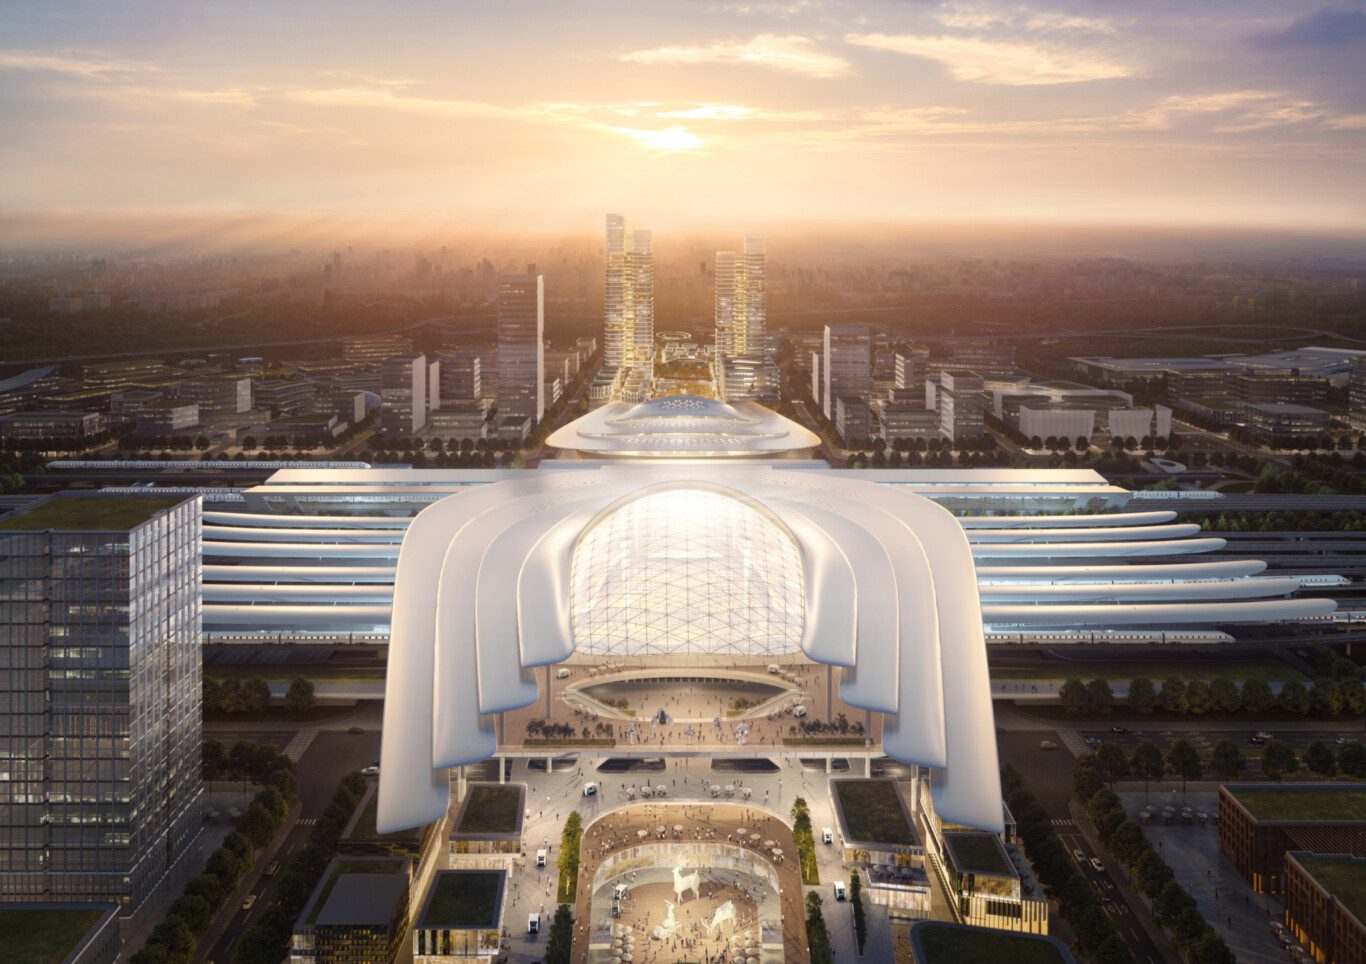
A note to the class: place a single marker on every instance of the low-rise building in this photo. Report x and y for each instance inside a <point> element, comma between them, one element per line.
<point>124,406</point>
<point>284,396</point>
<point>51,425</point>
<point>349,407</point>
<point>27,387</point>
<point>1272,420</point>
<point>314,428</point>
<point>879,838</point>
<point>1259,823</point>
<point>167,416</point>
<point>958,399</point>
<point>221,398</point>
<point>515,427</point>
<point>462,917</point>
<point>909,420</point>
<point>459,420</point>
<point>357,913</point>
<point>373,349</point>
<point>1325,905</point>
<point>74,933</point>
<point>487,831</point>
<point>852,420</point>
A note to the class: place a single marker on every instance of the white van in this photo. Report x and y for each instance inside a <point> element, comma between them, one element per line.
<point>774,668</point>
<point>827,835</point>
<point>799,711</point>
<point>540,858</point>
<point>840,892</point>
<point>590,789</point>
<point>533,923</point>
<point>562,673</point>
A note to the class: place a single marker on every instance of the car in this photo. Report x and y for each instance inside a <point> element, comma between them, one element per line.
<point>562,673</point>
<point>590,789</point>
<point>371,771</point>
<point>533,923</point>
<point>840,892</point>
<point>1341,740</point>
<point>272,870</point>
<point>799,711</point>
<point>827,835</point>
<point>354,730</point>
<point>1260,737</point>
<point>540,857</point>
<point>1093,741</point>
<point>1081,857</point>
<point>1100,867</point>
<point>247,904</point>
<point>1119,729</point>
<point>1047,745</point>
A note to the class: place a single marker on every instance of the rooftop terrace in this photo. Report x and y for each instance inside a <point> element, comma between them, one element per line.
<point>90,513</point>
<point>1309,803</point>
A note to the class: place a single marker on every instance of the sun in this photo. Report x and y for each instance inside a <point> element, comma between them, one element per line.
<point>671,139</point>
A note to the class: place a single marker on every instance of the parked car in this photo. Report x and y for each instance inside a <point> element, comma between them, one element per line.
<point>247,904</point>
<point>1047,745</point>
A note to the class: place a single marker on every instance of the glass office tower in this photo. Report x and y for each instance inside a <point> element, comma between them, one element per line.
<point>100,723</point>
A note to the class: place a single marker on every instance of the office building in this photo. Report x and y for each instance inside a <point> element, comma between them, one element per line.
<point>28,387</point>
<point>461,377</point>
<point>960,404</point>
<point>1260,822</point>
<point>983,359</point>
<point>221,398</point>
<point>166,417</point>
<point>459,419</point>
<point>852,419</point>
<point>741,306</point>
<point>403,394</point>
<point>629,299</point>
<point>85,933</point>
<point>349,407</point>
<point>373,349</point>
<point>116,375</point>
<point>357,914</point>
<point>101,677</point>
<point>462,918</point>
<point>1356,394</point>
<point>521,346</point>
<point>1279,389</point>
<point>909,420</point>
<point>53,425</point>
<point>847,365</point>
<point>283,396</point>
<point>124,406</point>
<point>1272,421</point>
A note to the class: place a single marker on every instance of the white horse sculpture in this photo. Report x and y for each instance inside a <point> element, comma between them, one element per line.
<point>684,884</point>
<point>726,912</point>
<point>665,929</point>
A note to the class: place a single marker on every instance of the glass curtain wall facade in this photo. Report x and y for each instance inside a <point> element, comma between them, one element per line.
<point>100,724</point>
<point>521,345</point>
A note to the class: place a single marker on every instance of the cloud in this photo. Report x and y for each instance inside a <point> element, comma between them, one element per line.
<point>998,62</point>
<point>739,112</point>
<point>388,100</point>
<point>669,140</point>
<point>795,55</point>
<point>84,64</point>
<point>1322,28</point>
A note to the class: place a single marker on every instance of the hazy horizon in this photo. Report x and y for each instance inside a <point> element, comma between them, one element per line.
<point>535,118</point>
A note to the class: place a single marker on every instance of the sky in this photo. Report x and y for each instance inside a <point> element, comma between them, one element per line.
<point>543,115</point>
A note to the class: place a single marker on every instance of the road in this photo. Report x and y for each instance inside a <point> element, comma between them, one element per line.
<point>331,755</point>
<point>1049,774</point>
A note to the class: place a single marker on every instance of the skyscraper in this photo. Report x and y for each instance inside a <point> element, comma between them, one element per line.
<point>628,304</point>
<point>847,364</point>
<point>521,345</point>
<point>403,394</point>
<point>741,305</point>
<point>100,682</point>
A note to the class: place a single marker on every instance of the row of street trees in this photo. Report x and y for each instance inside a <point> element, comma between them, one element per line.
<point>1326,696</point>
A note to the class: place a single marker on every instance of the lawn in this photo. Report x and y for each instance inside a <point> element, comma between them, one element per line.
<point>979,853</point>
<point>873,812</point>
<point>1271,672</point>
<point>463,898</point>
<point>351,867</point>
<point>278,714</point>
<point>948,945</point>
<point>1307,803</point>
<point>43,936</point>
<point>1344,878</point>
<point>96,513</point>
<point>491,810</point>
<point>365,826</point>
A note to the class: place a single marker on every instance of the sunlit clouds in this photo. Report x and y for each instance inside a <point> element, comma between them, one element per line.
<point>735,112</point>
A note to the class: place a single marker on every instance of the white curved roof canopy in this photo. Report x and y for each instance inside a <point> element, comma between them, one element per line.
<point>683,426</point>
<point>881,613</point>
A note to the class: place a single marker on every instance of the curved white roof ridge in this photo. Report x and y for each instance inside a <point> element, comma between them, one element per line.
<point>686,425</point>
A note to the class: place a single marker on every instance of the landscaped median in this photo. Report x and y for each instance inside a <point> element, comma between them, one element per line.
<point>805,841</point>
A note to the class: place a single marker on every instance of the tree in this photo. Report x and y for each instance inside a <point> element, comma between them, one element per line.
<point>1352,759</point>
<point>1127,843</point>
<point>1325,697</point>
<point>1147,763</point>
<point>1294,697</point>
<point>1257,696</point>
<point>1151,872</point>
<point>1173,696</point>
<point>213,760</point>
<point>1197,697</point>
<point>1278,759</point>
<point>1228,760</point>
<point>560,942</point>
<point>1353,695</point>
<point>860,914</point>
<point>1184,760</point>
<point>1320,759</point>
<point>1224,696</point>
<point>300,698</point>
<point>1086,779</point>
<point>1099,696</point>
<point>1210,949</point>
<point>1110,758</point>
<point>1075,697</point>
<point>1188,927</point>
<point>257,825</point>
<point>1142,695</point>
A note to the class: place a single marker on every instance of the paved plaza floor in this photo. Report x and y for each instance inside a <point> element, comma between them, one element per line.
<point>1238,914</point>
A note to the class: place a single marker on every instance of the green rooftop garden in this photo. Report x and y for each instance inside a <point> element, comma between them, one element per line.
<point>948,945</point>
<point>1218,404</point>
<point>491,810</point>
<point>463,899</point>
<point>1303,803</point>
<point>873,813</point>
<point>43,936</point>
<point>170,403</point>
<point>1342,877</point>
<point>365,826</point>
<point>350,867</point>
<point>978,853</point>
<point>101,513</point>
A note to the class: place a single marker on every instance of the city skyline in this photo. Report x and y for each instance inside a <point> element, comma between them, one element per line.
<point>1063,113</point>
